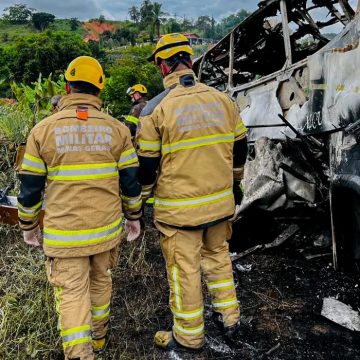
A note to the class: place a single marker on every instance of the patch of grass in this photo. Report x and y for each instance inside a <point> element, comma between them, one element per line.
<point>27,314</point>
<point>139,299</point>
<point>8,177</point>
<point>9,32</point>
<point>15,125</point>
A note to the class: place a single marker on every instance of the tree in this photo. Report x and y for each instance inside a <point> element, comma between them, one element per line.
<point>231,21</point>
<point>74,23</point>
<point>172,26</point>
<point>41,20</point>
<point>44,53</point>
<point>203,23</point>
<point>5,74</point>
<point>124,36</point>
<point>212,31</point>
<point>146,15</point>
<point>106,35</point>
<point>186,24</point>
<point>157,17</point>
<point>17,14</point>
<point>96,51</point>
<point>134,14</point>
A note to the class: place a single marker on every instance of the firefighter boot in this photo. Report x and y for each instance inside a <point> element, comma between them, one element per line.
<point>230,333</point>
<point>98,345</point>
<point>166,341</point>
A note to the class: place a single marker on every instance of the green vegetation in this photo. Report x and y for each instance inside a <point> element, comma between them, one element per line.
<point>42,20</point>
<point>129,68</point>
<point>35,46</point>
<point>27,316</point>
<point>33,43</point>
<point>35,49</point>
<point>8,32</point>
<point>28,319</point>
<point>45,53</point>
<point>148,21</point>
<point>15,125</point>
<point>17,118</point>
<point>154,18</point>
<point>17,14</point>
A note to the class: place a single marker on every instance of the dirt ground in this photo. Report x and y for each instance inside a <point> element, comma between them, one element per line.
<point>280,292</point>
<point>281,295</point>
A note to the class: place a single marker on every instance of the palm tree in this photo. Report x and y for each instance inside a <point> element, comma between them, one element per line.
<point>157,17</point>
<point>146,14</point>
<point>134,13</point>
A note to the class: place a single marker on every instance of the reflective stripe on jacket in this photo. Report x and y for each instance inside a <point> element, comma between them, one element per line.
<point>132,119</point>
<point>192,129</point>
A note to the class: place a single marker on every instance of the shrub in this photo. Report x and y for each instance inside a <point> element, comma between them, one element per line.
<point>130,67</point>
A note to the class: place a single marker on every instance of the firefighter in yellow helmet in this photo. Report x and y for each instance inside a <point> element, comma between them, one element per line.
<point>138,95</point>
<point>194,135</point>
<point>86,159</point>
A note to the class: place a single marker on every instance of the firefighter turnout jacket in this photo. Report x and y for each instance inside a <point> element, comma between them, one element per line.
<point>86,158</point>
<point>195,135</point>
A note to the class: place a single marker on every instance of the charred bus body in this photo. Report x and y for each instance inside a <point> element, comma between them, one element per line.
<point>298,92</point>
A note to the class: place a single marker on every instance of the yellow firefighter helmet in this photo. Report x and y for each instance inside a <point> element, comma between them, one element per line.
<point>87,69</point>
<point>136,88</point>
<point>169,45</point>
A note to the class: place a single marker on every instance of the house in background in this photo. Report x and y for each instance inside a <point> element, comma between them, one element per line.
<point>194,39</point>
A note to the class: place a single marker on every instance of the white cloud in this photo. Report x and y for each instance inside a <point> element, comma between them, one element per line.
<point>118,10</point>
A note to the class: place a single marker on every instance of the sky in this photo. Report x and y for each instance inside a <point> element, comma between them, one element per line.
<point>118,10</point>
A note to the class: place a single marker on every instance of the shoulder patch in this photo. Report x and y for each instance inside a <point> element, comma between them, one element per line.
<point>151,105</point>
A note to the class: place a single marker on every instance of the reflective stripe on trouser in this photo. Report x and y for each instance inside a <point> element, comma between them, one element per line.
<point>80,284</point>
<point>100,291</point>
<point>218,273</point>
<point>185,251</point>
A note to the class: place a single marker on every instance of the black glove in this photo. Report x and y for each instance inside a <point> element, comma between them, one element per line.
<point>238,194</point>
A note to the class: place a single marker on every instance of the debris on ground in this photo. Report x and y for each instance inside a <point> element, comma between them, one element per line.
<point>341,314</point>
<point>281,298</point>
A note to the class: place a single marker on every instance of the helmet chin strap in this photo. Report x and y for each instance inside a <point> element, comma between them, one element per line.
<point>166,71</point>
<point>67,88</point>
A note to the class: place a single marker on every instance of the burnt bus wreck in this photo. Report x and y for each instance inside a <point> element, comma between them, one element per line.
<point>299,95</point>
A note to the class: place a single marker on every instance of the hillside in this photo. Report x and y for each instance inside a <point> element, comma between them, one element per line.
<point>90,30</point>
<point>94,29</point>
<point>8,32</point>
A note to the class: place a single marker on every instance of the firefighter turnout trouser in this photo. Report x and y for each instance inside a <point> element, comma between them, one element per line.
<point>186,252</point>
<point>82,294</point>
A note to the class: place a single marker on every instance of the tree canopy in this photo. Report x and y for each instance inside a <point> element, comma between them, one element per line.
<point>17,14</point>
<point>42,20</point>
<point>45,53</point>
<point>151,16</point>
